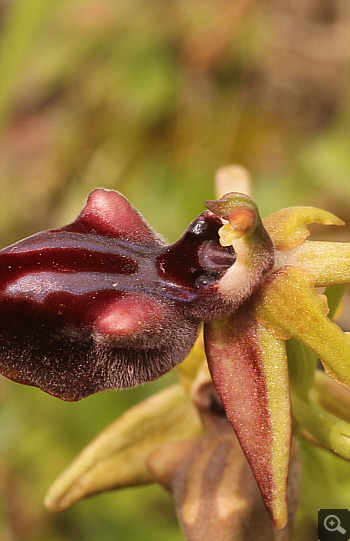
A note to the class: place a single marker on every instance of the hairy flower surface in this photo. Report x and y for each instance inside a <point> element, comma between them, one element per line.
<point>104,303</point>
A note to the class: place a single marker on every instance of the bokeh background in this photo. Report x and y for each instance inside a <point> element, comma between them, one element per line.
<point>150,97</point>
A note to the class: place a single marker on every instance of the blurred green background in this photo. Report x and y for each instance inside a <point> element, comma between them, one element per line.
<point>150,98</point>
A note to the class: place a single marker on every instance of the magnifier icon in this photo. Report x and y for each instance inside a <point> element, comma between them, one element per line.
<point>332,524</point>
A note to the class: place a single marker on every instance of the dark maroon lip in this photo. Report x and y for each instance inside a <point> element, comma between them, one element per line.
<point>77,263</point>
<point>103,302</point>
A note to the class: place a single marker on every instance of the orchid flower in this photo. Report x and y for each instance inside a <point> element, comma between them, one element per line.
<point>104,303</point>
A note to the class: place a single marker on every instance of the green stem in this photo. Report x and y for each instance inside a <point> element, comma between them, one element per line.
<point>323,426</point>
<point>302,363</point>
<point>331,396</point>
<point>334,295</point>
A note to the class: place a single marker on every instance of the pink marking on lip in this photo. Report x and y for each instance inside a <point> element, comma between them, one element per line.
<point>131,315</point>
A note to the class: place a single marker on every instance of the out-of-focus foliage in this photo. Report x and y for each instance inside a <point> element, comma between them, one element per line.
<point>150,98</point>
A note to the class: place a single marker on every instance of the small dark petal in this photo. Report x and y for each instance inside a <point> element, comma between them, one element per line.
<point>102,303</point>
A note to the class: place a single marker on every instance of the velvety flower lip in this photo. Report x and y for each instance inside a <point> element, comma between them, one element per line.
<point>104,303</point>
